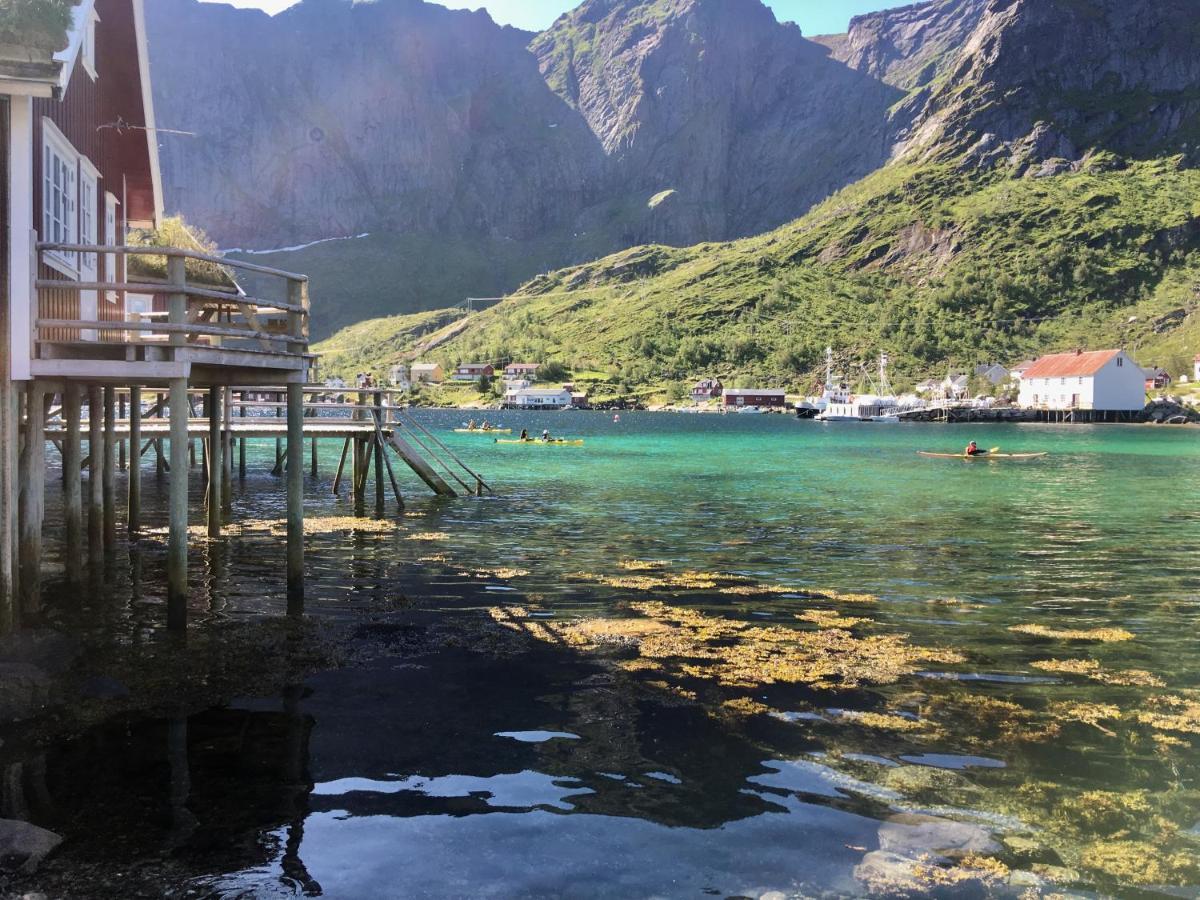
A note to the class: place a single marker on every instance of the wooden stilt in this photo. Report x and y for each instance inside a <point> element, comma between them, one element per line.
<point>227,451</point>
<point>215,466</point>
<point>377,444</point>
<point>95,523</point>
<point>314,463</point>
<point>134,512</point>
<point>72,485</point>
<point>242,443</point>
<point>160,460</point>
<point>121,444</point>
<point>337,479</point>
<point>110,469</point>
<point>278,470</point>
<point>32,501</point>
<point>295,496</point>
<point>177,540</point>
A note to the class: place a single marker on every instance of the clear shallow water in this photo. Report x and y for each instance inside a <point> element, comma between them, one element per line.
<point>399,775</point>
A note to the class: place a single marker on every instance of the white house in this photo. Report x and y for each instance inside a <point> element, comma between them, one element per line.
<point>539,398</point>
<point>398,376</point>
<point>1099,380</point>
<point>429,373</point>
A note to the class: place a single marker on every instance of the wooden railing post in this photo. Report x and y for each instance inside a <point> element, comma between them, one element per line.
<point>297,322</point>
<point>177,303</point>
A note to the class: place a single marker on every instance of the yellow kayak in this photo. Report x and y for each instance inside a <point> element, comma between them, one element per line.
<point>984,455</point>
<point>540,443</point>
<point>483,431</point>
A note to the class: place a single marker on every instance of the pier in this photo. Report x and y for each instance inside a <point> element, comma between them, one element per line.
<point>202,365</point>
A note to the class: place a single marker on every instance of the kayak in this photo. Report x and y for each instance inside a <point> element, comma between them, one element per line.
<point>931,455</point>
<point>483,431</point>
<point>541,443</point>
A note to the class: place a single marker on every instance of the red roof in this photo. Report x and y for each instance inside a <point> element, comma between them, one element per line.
<point>1068,365</point>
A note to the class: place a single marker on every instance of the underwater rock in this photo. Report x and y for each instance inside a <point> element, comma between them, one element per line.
<point>917,780</point>
<point>914,834</point>
<point>102,687</point>
<point>24,846</point>
<point>50,651</point>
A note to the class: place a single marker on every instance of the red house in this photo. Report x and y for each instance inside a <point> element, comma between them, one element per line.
<point>473,371</point>
<point>83,167</point>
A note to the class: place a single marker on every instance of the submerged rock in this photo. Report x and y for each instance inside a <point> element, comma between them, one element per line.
<point>24,691</point>
<point>23,846</point>
<point>914,834</point>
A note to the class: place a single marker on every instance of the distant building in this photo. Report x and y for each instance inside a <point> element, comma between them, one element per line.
<point>768,397</point>
<point>520,384</point>
<point>993,372</point>
<point>1018,371</point>
<point>929,386</point>
<point>956,387</point>
<point>521,371</point>
<point>538,398</point>
<point>426,373</point>
<point>398,376</point>
<point>1157,378</point>
<point>473,372</point>
<point>708,389</point>
<point>579,399</point>
<point>1107,380</point>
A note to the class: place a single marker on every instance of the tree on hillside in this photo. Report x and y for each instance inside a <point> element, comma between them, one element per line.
<point>553,371</point>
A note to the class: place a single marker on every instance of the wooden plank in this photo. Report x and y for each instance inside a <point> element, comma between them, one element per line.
<point>161,287</point>
<point>189,327</point>
<point>110,369</point>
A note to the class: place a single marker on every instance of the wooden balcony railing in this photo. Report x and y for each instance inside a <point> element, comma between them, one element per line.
<point>199,316</point>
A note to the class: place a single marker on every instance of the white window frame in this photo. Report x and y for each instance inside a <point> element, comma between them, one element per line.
<point>55,144</point>
<point>87,53</point>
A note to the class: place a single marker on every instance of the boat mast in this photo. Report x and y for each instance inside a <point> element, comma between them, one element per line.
<point>885,389</point>
<point>829,368</point>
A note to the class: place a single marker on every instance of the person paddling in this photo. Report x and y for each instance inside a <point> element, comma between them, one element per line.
<point>973,450</point>
<point>524,434</point>
<point>546,435</point>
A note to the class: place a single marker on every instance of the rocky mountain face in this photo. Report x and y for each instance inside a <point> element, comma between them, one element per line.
<point>626,122</point>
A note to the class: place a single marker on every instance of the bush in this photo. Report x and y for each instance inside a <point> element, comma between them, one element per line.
<point>553,371</point>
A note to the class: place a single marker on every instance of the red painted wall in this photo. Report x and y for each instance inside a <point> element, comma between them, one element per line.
<point>122,156</point>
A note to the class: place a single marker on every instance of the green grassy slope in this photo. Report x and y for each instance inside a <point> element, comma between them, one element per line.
<point>937,265</point>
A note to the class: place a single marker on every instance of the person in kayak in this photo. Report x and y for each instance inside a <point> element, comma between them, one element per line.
<point>973,450</point>
<point>546,435</point>
<point>524,434</point>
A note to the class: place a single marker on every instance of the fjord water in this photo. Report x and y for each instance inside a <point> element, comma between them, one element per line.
<point>456,757</point>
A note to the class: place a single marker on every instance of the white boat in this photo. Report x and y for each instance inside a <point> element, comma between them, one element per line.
<point>842,406</point>
<point>749,411</point>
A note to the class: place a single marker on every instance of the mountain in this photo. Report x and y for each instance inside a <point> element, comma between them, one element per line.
<point>474,156</point>
<point>1040,192</point>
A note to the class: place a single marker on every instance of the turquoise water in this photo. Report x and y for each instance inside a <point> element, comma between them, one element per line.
<point>498,748</point>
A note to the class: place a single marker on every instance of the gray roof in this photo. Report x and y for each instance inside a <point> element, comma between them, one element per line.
<point>38,44</point>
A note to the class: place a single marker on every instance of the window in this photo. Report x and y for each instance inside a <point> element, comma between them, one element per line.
<point>60,180</point>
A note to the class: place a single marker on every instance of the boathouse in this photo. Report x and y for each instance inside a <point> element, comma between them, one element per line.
<point>707,389</point>
<point>539,398</point>
<point>80,171</point>
<point>769,398</point>
<point>1100,380</point>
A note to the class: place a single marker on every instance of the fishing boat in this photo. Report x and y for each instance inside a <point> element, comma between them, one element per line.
<point>538,442</point>
<point>838,404</point>
<point>929,454</point>
<point>483,431</point>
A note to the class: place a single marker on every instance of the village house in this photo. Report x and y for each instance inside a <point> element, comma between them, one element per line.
<point>521,371</point>
<point>929,386</point>
<point>955,387</point>
<point>708,389</point>
<point>426,373</point>
<point>1018,371</point>
<point>769,398</point>
<point>539,398</point>
<point>993,372</point>
<point>1102,380</point>
<point>1157,378</point>
<point>473,371</point>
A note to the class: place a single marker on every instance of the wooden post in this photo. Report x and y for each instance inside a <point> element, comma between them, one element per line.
<point>314,463</point>
<point>160,462</point>
<point>215,467</point>
<point>377,416</point>
<point>337,478</point>
<point>121,444</point>
<point>177,540</point>
<point>72,484</point>
<point>242,443</point>
<point>134,513</point>
<point>227,451</point>
<point>110,469</point>
<point>278,470</point>
<point>295,496</point>
<point>95,473</point>
<point>32,500</point>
